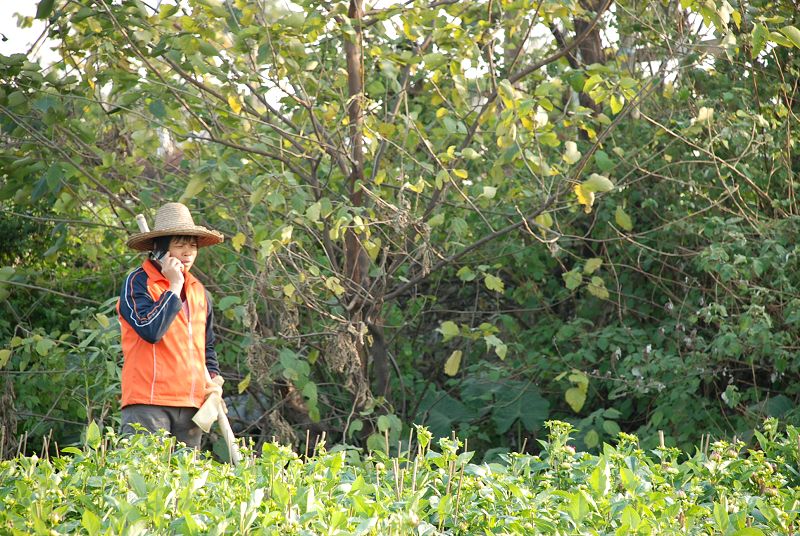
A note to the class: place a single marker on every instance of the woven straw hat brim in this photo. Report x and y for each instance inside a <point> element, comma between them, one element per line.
<point>205,237</point>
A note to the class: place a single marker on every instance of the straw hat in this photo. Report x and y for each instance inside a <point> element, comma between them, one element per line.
<point>174,219</point>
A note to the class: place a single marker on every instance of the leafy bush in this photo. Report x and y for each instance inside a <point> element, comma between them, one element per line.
<point>145,485</point>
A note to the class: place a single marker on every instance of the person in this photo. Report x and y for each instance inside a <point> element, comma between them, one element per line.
<point>169,362</point>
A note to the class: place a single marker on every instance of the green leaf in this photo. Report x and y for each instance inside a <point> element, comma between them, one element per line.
<point>760,35</point>
<point>611,428</point>
<point>167,10</point>
<point>376,442</point>
<point>195,186</point>
<point>436,220</point>
<point>721,517</point>
<point>591,439</point>
<point>157,109</point>
<point>494,283</point>
<point>448,329</point>
<point>592,265</point>
<point>575,397</point>
<point>5,355</point>
<point>793,34</point>
<point>93,436</point>
<point>603,161</point>
<point>572,279</point>
<point>54,175</point>
<point>312,212</point>
<point>137,483</point>
<point>91,522</point>
<point>453,363</point>
<point>228,301</point>
<point>599,479</point>
<point>630,517</point>
<point>749,531</point>
<point>500,348</point>
<point>102,320</point>
<point>622,219</point>
<point>44,9</point>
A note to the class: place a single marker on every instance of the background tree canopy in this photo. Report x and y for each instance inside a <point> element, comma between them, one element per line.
<point>473,215</point>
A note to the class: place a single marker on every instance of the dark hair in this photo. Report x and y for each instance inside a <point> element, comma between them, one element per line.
<point>160,247</point>
<point>161,244</point>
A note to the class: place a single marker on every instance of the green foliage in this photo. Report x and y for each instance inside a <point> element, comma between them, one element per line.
<point>145,484</point>
<point>494,230</point>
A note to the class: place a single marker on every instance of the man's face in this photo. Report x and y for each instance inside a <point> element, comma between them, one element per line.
<point>185,250</point>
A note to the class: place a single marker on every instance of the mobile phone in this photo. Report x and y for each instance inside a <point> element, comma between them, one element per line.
<point>159,256</point>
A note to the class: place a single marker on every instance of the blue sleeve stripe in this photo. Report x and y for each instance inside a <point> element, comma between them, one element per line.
<point>130,302</point>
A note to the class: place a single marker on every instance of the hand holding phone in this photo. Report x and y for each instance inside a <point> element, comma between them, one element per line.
<point>172,269</point>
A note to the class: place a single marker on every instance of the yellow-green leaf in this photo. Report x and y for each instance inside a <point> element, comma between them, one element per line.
<point>373,247</point>
<point>453,363</point>
<point>93,436</point>
<point>544,220</point>
<point>585,198</point>
<point>465,273</point>
<point>44,346</point>
<point>616,104</point>
<point>597,288</point>
<point>5,355</point>
<point>334,285</point>
<point>575,397</point>
<point>793,34</point>
<point>288,290</point>
<point>572,279</point>
<point>597,183</point>
<point>580,379</point>
<point>448,329</point>
<point>286,234</point>
<point>622,219</point>
<point>244,384</point>
<point>233,102</point>
<point>572,154</point>
<point>102,320</point>
<point>494,283</point>
<point>470,153</point>
<point>592,265</point>
<point>238,241</point>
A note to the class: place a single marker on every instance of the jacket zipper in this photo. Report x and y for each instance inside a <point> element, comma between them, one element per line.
<point>191,347</point>
<point>153,385</point>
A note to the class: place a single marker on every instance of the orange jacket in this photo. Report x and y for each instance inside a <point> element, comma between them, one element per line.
<point>164,351</point>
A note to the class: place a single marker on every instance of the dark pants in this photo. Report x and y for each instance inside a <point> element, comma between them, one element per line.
<point>176,421</point>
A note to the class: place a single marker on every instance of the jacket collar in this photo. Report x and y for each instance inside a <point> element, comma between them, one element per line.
<point>154,274</point>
